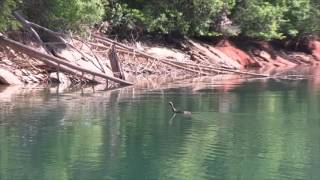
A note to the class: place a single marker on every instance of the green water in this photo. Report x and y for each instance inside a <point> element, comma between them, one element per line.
<point>255,130</point>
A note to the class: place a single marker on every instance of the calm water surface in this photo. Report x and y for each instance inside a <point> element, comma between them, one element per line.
<point>253,130</point>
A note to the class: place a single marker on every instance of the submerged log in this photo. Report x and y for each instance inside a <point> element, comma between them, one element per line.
<point>54,61</point>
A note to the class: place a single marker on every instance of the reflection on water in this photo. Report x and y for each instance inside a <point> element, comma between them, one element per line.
<point>249,130</point>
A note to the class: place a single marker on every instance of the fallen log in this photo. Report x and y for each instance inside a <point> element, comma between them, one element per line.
<point>100,64</point>
<point>26,25</point>
<point>54,61</point>
<point>112,41</point>
<point>220,70</point>
<point>149,56</point>
<point>56,35</point>
<point>209,69</point>
<point>183,65</point>
<point>43,34</point>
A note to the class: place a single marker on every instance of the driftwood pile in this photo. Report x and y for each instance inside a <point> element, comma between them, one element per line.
<point>205,65</point>
<point>52,58</point>
<point>67,58</point>
<point>96,59</point>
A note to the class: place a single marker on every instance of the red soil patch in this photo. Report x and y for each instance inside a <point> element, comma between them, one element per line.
<point>237,54</point>
<point>274,58</point>
<point>314,47</point>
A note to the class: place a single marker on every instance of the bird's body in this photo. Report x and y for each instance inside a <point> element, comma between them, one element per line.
<point>174,110</point>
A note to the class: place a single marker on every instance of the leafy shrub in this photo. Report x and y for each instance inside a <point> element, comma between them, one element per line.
<point>184,17</point>
<point>65,14</point>
<point>260,19</point>
<point>6,20</point>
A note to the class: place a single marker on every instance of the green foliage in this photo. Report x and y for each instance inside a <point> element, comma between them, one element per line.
<point>203,13</point>
<point>65,14</point>
<point>170,21</point>
<point>298,11</point>
<point>6,21</point>
<point>263,19</point>
<point>312,24</point>
<point>185,17</point>
<point>260,19</point>
<point>124,20</point>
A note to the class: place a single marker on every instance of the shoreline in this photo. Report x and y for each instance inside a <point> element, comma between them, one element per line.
<point>141,60</point>
<point>221,83</point>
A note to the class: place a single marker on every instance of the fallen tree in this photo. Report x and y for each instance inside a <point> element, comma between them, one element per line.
<point>58,63</point>
<point>147,56</point>
<point>203,69</point>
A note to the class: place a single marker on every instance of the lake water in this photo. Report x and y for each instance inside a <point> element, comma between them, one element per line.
<point>248,130</point>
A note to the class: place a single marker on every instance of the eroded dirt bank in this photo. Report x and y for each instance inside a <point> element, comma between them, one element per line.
<point>143,60</point>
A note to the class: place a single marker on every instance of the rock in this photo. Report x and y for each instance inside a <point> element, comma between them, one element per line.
<point>33,79</point>
<point>18,72</point>
<point>40,77</point>
<point>314,47</point>
<point>139,46</point>
<point>266,56</point>
<point>63,79</point>
<point>163,52</point>
<point>24,72</point>
<point>7,62</point>
<point>7,77</point>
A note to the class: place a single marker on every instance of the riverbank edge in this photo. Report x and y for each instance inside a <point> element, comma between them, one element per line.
<point>237,54</point>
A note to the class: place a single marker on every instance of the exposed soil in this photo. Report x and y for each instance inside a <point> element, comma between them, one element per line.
<point>142,60</point>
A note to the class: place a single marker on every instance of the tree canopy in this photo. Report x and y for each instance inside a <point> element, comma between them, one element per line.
<point>263,19</point>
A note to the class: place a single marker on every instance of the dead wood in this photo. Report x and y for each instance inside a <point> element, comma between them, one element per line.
<point>101,66</point>
<point>197,68</point>
<point>26,25</point>
<point>54,61</point>
<point>115,65</point>
<point>219,70</point>
<point>147,56</point>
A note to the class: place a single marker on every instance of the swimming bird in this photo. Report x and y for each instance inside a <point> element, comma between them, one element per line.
<point>174,110</point>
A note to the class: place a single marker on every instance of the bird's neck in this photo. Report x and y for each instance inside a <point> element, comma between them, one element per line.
<point>173,109</point>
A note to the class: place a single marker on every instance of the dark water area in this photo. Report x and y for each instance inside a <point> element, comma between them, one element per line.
<point>241,130</point>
